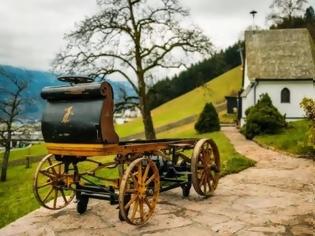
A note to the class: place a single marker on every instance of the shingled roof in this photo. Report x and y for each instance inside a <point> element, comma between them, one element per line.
<point>280,54</point>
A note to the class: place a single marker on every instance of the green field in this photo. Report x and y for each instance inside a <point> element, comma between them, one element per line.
<point>16,198</point>
<point>188,104</point>
<point>290,139</point>
<point>32,150</point>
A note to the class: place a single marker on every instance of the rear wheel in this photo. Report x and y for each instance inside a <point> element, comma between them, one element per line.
<point>205,167</point>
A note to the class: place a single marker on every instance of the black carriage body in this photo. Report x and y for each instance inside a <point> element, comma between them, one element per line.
<point>79,114</point>
<point>82,127</point>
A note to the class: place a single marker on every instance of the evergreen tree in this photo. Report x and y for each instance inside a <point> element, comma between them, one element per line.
<point>208,120</point>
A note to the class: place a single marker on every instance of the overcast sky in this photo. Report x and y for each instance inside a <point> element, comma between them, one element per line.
<point>31,32</point>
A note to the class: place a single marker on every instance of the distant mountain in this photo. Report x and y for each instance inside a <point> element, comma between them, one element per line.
<point>37,80</point>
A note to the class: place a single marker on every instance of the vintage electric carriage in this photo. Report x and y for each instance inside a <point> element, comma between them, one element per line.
<point>87,160</point>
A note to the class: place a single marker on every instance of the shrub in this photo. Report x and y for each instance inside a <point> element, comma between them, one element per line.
<point>308,106</point>
<point>208,120</point>
<point>263,118</point>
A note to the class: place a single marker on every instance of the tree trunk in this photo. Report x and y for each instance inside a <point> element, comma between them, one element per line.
<point>5,162</point>
<point>148,124</point>
<point>145,111</point>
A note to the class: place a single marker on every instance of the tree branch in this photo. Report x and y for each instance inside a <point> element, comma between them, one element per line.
<point>113,71</point>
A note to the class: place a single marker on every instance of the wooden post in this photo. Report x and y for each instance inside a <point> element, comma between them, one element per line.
<point>27,162</point>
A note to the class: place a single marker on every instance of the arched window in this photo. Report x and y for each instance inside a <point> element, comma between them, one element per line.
<point>285,95</point>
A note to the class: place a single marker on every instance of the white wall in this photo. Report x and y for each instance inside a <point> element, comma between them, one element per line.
<point>298,90</point>
<point>246,79</point>
<point>247,101</point>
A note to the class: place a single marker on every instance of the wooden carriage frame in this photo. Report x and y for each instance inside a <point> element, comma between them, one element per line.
<point>145,168</point>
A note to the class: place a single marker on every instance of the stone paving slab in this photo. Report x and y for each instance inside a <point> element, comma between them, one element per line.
<point>276,197</point>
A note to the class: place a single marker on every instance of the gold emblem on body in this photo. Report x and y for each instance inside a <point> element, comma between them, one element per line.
<point>68,112</point>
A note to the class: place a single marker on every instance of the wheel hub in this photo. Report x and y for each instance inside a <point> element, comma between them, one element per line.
<point>142,191</point>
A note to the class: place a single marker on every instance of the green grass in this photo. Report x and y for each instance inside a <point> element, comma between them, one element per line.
<point>231,161</point>
<point>188,104</point>
<point>227,118</point>
<point>33,150</point>
<point>290,139</point>
<point>16,197</point>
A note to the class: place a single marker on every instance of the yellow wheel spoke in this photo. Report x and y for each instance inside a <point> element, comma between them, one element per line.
<point>130,191</point>
<point>133,198</point>
<point>46,173</point>
<point>141,210</point>
<point>63,195</point>
<point>145,175</point>
<point>135,181</point>
<point>52,166</point>
<point>146,200</point>
<point>55,198</point>
<point>44,185</point>
<point>140,172</point>
<point>134,210</point>
<point>150,179</point>
<point>202,177</point>
<point>48,194</point>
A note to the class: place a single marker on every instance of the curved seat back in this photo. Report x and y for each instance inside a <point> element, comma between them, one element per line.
<point>81,113</point>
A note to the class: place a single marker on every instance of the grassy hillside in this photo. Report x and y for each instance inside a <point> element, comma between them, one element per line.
<point>190,103</point>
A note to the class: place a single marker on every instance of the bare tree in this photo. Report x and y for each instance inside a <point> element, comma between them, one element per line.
<point>286,9</point>
<point>12,104</point>
<point>132,38</point>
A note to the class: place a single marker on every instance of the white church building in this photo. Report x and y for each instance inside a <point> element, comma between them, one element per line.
<point>282,64</point>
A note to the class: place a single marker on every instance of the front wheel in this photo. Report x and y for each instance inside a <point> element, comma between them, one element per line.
<point>139,191</point>
<point>52,182</point>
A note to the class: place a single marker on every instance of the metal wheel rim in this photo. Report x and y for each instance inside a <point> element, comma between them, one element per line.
<point>43,201</point>
<point>135,187</point>
<point>205,154</point>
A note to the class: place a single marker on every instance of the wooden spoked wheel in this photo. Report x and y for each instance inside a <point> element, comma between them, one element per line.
<point>139,191</point>
<point>205,167</point>
<point>52,182</point>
